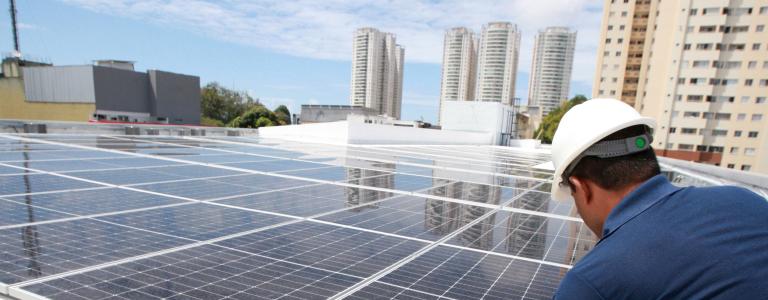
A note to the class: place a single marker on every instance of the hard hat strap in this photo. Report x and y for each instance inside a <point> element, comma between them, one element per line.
<point>612,148</point>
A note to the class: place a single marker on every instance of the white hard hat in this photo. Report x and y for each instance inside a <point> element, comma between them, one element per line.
<point>586,124</point>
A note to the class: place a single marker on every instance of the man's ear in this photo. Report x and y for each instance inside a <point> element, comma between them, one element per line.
<point>580,188</point>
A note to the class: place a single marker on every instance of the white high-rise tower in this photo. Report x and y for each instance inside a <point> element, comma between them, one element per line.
<point>551,68</point>
<point>377,71</point>
<point>459,66</point>
<point>497,62</point>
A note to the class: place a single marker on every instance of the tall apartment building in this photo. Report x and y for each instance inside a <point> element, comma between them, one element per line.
<point>377,72</point>
<point>497,62</point>
<point>700,68</point>
<point>551,68</point>
<point>459,66</point>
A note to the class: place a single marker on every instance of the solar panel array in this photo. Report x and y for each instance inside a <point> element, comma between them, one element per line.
<point>137,217</point>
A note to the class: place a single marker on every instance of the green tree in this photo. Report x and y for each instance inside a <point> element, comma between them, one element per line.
<point>283,115</point>
<point>548,126</point>
<point>257,116</point>
<point>206,121</point>
<point>222,104</point>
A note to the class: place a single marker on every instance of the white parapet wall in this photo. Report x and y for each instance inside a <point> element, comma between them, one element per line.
<point>345,132</point>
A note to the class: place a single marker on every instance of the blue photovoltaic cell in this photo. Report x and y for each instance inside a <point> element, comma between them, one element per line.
<point>35,183</point>
<point>12,213</point>
<point>308,201</point>
<point>205,272</point>
<point>9,170</point>
<point>196,221</point>
<point>64,165</point>
<point>40,250</point>
<point>125,176</point>
<point>195,171</point>
<point>137,162</point>
<point>380,290</point>
<point>410,216</point>
<point>200,189</point>
<point>95,201</point>
<point>277,165</point>
<point>465,274</point>
<point>263,182</point>
<point>344,250</point>
<point>474,192</point>
<point>329,173</point>
<point>227,158</point>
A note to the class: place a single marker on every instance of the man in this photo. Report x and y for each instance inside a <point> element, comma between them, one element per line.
<point>657,241</point>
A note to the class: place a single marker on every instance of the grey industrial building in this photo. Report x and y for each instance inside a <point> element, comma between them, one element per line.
<point>118,92</point>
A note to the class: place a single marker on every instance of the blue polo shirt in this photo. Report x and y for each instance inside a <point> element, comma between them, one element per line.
<point>667,242</point>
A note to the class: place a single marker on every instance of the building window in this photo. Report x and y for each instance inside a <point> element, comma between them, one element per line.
<point>734,150</point>
<point>702,148</point>
<point>621,27</point>
<point>693,11</point>
<point>759,100</point>
<point>620,40</point>
<point>691,114</point>
<point>602,79</point>
<point>719,132</point>
<point>749,151</point>
<point>752,134</point>
<point>746,167</point>
<point>624,13</point>
<point>764,10</point>
<point>737,133</point>
<point>722,116</point>
<point>684,147</point>
<point>614,79</point>
<point>710,11</point>
<point>618,53</point>
<point>606,53</point>
<point>705,46</point>
<point>731,166</point>
<point>709,28</point>
<point>697,81</point>
<point>765,65</point>
<point>688,130</point>
<point>613,92</point>
<point>607,41</point>
<point>715,149</point>
<point>759,28</point>
<point>610,27</point>
<point>752,64</point>
<point>748,82</point>
<point>601,92</point>
<point>756,46</point>
<point>681,81</point>
<point>694,98</point>
<point>611,14</point>
<point>687,47</point>
<point>757,117</point>
<point>744,99</point>
<point>763,82</point>
<point>700,63</point>
<point>672,129</point>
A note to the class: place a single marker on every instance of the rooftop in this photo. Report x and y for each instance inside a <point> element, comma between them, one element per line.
<point>100,213</point>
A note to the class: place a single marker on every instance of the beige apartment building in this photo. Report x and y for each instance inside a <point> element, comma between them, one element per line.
<point>551,68</point>
<point>497,62</point>
<point>459,70</point>
<point>377,72</point>
<point>700,68</point>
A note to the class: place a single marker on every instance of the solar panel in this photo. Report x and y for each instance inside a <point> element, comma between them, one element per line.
<point>129,217</point>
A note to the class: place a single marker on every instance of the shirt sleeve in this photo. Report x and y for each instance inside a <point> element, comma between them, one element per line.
<point>575,287</point>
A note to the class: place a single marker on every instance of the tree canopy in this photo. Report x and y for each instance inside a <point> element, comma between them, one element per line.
<point>549,123</point>
<point>224,107</point>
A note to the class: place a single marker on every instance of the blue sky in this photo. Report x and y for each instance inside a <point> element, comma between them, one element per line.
<point>288,52</point>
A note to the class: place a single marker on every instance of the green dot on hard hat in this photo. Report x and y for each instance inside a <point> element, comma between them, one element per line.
<point>640,142</point>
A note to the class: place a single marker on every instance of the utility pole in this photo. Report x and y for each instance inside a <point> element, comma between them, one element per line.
<point>16,52</point>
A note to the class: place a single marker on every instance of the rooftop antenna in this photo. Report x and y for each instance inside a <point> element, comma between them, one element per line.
<point>16,51</point>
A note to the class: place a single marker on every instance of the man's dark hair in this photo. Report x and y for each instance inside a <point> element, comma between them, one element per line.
<point>615,173</point>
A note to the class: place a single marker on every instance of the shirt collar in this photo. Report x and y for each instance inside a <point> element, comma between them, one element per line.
<point>637,201</point>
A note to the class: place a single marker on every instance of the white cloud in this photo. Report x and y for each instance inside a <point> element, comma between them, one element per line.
<point>323,28</point>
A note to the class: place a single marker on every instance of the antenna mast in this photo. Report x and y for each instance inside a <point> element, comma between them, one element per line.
<point>17,52</point>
